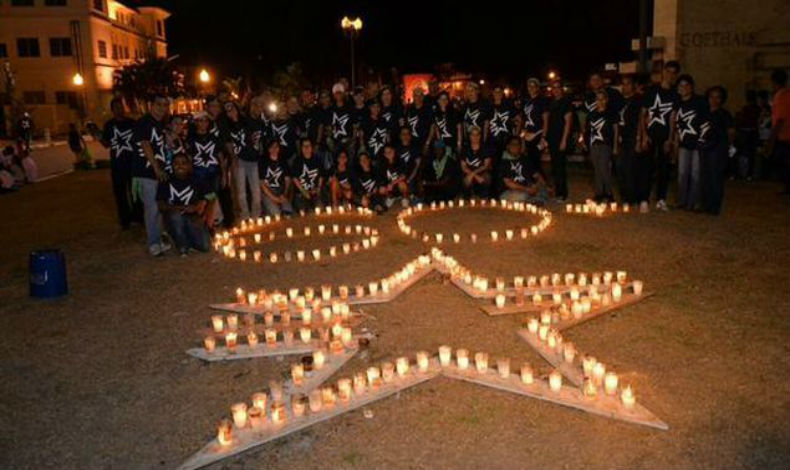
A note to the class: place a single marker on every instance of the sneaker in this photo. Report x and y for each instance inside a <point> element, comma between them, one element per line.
<point>155,250</point>
<point>661,205</point>
<point>164,246</point>
<point>644,207</point>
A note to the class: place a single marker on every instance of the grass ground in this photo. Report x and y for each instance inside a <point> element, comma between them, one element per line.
<point>99,379</point>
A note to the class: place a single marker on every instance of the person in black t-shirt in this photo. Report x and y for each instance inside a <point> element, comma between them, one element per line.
<point>601,133</point>
<point>244,136</point>
<point>275,181</point>
<point>596,84</point>
<point>208,162</point>
<point>285,128</point>
<point>629,163</point>
<point>658,127</point>
<point>366,184</point>
<point>533,123</point>
<point>308,178</point>
<point>392,176</point>
<point>360,111</point>
<point>500,123</point>
<point>447,126</point>
<point>391,111</point>
<point>521,182</point>
<point>557,136</point>
<point>117,136</point>
<point>216,113</point>
<point>410,155</point>
<point>716,151</point>
<point>441,174</point>
<point>340,125</point>
<point>342,181</point>
<point>181,200</point>
<point>475,113</point>
<point>375,131</point>
<point>692,116</point>
<point>476,165</point>
<point>419,118</point>
<point>149,168</point>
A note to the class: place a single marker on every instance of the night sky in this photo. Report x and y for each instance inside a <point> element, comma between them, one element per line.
<point>254,38</point>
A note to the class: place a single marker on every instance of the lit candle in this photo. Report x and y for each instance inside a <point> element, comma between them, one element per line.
<point>494,236</point>
<point>509,234</point>
<point>297,373</point>
<point>298,405</point>
<point>255,416</point>
<point>387,372</point>
<point>307,316</point>
<point>278,413</point>
<point>456,238</point>
<point>318,359</point>
<point>243,255</point>
<point>225,432</point>
<point>556,298</point>
<point>360,291</point>
<point>462,357</point>
<point>240,297</point>
<point>373,376</point>
<point>610,383</point>
<point>272,258</point>
<point>256,255</point>
<point>607,277</point>
<point>344,389</point>
<point>527,377</point>
<point>500,301</point>
<point>422,361</point>
<point>569,352</point>
<point>289,232</point>
<point>259,400</point>
<point>589,389</point>
<point>543,332</point>
<point>315,400</point>
<point>598,372</point>
<point>537,299</point>
<point>555,381</point>
<point>439,237</point>
<point>638,286</point>
<point>239,413</point>
<point>300,255</point>
<point>360,382</point>
<point>230,341</point>
<point>503,367</point>
<point>588,363</point>
<point>621,276</point>
<point>218,323</point>
<point>628,398</point>
<point>481,362</point>
<point>445,353</point>
<point>271,337</point>
<point>209,343</point>
<point>532,325</point>
<point>252,339</point>
<point>617,292</point>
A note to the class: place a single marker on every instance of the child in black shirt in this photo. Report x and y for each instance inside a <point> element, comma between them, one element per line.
<point>601,135</point>
<point>182,200</point>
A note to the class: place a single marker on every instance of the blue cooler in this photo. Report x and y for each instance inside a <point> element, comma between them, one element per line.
<point>48,274</point>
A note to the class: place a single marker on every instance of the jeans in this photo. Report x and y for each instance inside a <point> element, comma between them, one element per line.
<point>659,164</point>
<point>187,231</point>
<point>247,174</point>
<point>559,170</point>
<point>713,167</point>
<point>148,188</point>
<point>275,208</point>
<point>601,157</point>
<point>521,196</point>
<point>688,178</point>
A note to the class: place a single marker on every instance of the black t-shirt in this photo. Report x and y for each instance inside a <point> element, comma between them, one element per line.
<point>205,151</point>
<point>341,122</point>
<point>391,171</point>
<point>245,135</point>
<point>532,112</point>
<point>408,156</point>
<point>178,192</point>
<point>722,121</point>
<point>308,172</point>
<point>419,121</point>
<point>659,103</point>
<point>365,182</point>
<point>286,133</point>
<point>375,134</point>
<point>316,118</point>
<point>600,127</point>
<point>692,114</point>
<point>149,130</point>
<point>447,122</point>
<point>119,134</point>
<point>360,115</point>
<point>475,114</point>
<point>518,170</point>
<point>474,159</point>
<point>557,111</point>
<point>500,123</point>
<point>344,177</point>
<point>615,103</point>
<point>629,118</point>
<point>273,174</point>
<point>392,115</point>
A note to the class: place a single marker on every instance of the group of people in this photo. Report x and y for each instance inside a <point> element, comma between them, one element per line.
<point>251,157</point>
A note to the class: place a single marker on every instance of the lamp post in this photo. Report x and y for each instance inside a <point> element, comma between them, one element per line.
<point>352,28</point>
<point>204,76</point>
<point>79,82</point>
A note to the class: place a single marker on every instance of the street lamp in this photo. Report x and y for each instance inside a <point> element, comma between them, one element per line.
<point>204,76</point>
<point>77,79</point>
<point>552,74</point>
<point>352,28</point>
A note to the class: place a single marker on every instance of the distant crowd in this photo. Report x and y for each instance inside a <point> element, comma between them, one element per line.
<point>241,158</point>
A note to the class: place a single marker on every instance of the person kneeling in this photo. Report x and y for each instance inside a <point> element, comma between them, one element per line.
<point>393,177</point>
<point>182,200</point>
<point>366,184</point>
<point>521,182</point>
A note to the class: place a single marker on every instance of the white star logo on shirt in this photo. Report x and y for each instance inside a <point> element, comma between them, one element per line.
<point>597,128</point>
<point>377,140</point>
<point>273,177</point>
<point>204,154</point>
<point>498,122</point>
<point>517,169</point>
<point>530,123</point>
<point>157,145</point>
<point>413,121</point>
<point>308,177</point>
<point>685,120</point>
<point>121,140</point>
<point>281,131</point>
<point>442,125</point>
<point>658,112</point>
<point>471,117</point>
<point>339,125</point>
<point>184,196</point>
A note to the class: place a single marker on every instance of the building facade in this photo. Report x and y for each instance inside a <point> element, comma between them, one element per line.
<point>722,42</point>
<point>48,42</point>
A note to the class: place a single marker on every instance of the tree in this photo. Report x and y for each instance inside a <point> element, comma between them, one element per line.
<point>138,81</point>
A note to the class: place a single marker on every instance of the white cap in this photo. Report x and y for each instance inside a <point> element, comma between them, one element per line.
<point>338,88</point>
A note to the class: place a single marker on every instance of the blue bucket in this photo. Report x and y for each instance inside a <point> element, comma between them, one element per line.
<point>48,274</point>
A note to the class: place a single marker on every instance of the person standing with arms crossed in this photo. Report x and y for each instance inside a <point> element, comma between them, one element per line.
<point>559,131</point>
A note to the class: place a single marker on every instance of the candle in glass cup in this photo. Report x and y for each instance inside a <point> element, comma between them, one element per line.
<point>239,413</point>
<point>638,286</point>
<point>445,355</point>
<point>402,366</point>
<point>272,258</point>
<point>231,341</point>
<point>589,389</point>
<point>555,381</point>
<point>298,406</point>
<point>315,400</point>
<point>278,412</point>
<point>233,322</point>
<point>318,359</point>
<point>255,416</point>
<point>360,291</point>
<point>598,372</point>
<point>481,362</point>
<point>617,292</point>
<point>627,397</point>
<point>568,352</point>
<point>209,343</point>
<point>297,373</point>
<point>252,339</point>
<point>503,367</point>
<point>360,382</point>
<point>607,277</point>
<point>462,358</point>
<point>610,383</point>
<point>259,400</point>
<point>537,299</point>
<point>588,364</point>
<point>527,376</point>
<point>374,375</point>
<point>240,297</point>
<point>422,361</point>
<point>218,323</point>
<point>500,301</point>
<point>225,432</point>
<point>373,287</point>
<point>271,336</point>
<point>387,372</point>
<point>344,389</point>
<point>543,332</point>
<point>621,276</point>
<point>532,325</point>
